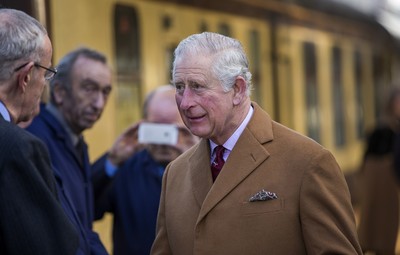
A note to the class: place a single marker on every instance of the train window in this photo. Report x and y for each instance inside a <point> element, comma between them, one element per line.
<point>22,5</point>
<point>358,95</point>
<point>311,91</point>
<point>126,36</point>
<point>338,102</point>
<point>224,29</point>
<point>39,9</point>
<point>203,26</point>
<point>256,63</point>
<point>126,40</point>
<point>166,22</point>
<point>378,69</point>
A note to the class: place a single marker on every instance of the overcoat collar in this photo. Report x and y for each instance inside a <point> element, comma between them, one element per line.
<point>61,133</point>
<point>245,157</point>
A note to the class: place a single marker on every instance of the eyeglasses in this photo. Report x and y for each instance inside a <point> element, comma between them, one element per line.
<point>50,72</point>
<point>48,75</point>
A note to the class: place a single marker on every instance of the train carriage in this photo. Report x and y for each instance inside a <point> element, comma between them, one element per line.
<point>320,70</point>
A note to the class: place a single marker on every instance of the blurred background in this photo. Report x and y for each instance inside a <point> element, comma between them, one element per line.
<point>321,67</point>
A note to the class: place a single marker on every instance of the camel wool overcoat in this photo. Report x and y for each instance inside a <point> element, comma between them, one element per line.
<point>311,212</point>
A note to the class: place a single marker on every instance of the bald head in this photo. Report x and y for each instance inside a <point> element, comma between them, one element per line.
<point>160,106</point>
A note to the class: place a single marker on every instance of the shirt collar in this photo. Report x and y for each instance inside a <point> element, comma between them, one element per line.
<point>230,143</point>
<point>4,112</point>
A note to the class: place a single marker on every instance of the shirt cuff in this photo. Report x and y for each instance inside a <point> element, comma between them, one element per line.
<point>110,168</point>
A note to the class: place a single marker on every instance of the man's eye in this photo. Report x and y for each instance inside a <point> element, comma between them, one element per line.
<point>197,87</point>
<point>89,89</point>
<point>179,87</point>
<point>107,91</point>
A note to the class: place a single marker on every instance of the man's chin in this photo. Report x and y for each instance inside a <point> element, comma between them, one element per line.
<point>88,124</point>
<point>90,121</point>
<point>28,118</point>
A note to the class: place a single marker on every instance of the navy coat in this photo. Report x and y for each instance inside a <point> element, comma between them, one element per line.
<point>132,196</point>
<point>73,178</point>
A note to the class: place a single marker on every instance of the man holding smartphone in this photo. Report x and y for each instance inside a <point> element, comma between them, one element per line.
<point>131,190</point>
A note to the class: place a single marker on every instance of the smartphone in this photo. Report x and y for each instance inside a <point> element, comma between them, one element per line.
<point>158,133</point>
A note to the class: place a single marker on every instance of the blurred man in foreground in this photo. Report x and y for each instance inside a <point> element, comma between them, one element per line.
<point>32,220</point>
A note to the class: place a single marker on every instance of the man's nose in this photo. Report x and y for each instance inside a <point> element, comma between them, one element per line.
<point>186,99</point>
<point>99,100</point>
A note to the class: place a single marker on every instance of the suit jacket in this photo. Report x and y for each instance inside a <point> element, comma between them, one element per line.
<point>311,215</point>
<point>32,220</point>
<point>74,178</point>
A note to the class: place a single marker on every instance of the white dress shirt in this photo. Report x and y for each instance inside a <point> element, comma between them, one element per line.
<point>4,112</point>
<point>230,143</point>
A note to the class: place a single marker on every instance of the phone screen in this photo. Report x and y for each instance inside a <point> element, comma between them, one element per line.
<point>158,133</point>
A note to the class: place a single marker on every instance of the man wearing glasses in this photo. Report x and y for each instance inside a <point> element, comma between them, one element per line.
<point>32,220</point>
<point>78,95</point>
<point>48,75</point>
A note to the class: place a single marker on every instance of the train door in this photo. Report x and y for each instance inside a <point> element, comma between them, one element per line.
<point>128,66</point>
<point>35,8</point>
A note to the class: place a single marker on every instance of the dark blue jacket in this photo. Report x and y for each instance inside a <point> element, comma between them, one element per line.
<point>132,196</point>
<point>73,178</point>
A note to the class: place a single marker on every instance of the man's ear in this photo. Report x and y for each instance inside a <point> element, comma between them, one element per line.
<point>25,76</point>
<point>58,93</point>
<point>239,90</point>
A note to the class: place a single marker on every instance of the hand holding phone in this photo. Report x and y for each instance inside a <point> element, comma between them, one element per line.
<point>125,145</point>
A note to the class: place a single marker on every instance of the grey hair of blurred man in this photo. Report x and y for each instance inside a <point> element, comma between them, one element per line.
<point>66,64</point>
<point>229,58</point>
<point>21,40</point>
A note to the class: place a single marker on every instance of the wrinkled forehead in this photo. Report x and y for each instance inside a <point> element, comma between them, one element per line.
<point>91,70</point>
<point>190,58</point>
<point>166,116</point>
<point>192,68</point>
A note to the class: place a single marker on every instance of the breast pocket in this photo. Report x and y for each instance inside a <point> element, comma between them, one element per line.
<point>262,207</point>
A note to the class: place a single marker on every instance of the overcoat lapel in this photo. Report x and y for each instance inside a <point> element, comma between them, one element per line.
<point>201,171</point>
<point>245,157</point>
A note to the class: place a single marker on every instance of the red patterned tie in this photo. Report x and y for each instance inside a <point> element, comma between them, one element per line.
<point>218,162</point>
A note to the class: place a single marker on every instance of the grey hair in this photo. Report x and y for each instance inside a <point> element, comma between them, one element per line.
<point>66,64</point>
<point>229,58</point>
<point>21,39</point>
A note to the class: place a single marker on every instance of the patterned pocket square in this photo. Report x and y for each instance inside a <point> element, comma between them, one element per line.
<point>263,195</point>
